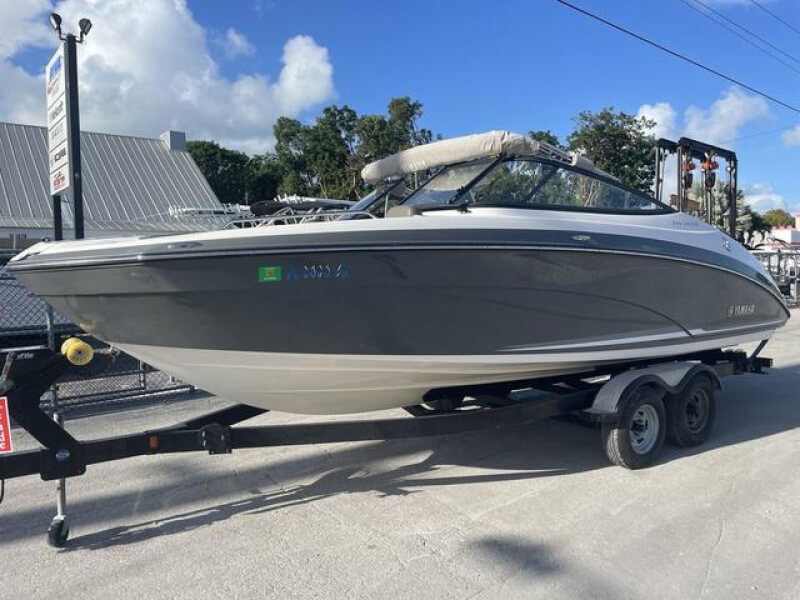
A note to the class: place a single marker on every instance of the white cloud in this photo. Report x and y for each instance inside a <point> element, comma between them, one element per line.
<point>664,115</point>
<point>762,197</point>
<point>24,24</point>
<point>146,66</point>
<point>718,124</point>
<point>236,44</point>
<point>721,122</point>
<point>792,136</point>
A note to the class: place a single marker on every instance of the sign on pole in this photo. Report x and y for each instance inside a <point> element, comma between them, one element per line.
<point>58,126</point>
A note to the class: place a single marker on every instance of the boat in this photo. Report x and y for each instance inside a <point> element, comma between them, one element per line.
<point>290,209</point>
<point>514,260</point>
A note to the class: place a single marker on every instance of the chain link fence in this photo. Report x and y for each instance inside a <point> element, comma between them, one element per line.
<point>26,321</point>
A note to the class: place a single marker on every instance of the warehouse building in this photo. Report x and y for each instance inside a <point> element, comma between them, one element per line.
<point>131,186</point>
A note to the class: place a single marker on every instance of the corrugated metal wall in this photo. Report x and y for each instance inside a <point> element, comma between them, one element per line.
<point>130,183</point>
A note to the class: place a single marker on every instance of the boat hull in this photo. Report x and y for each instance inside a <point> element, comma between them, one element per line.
<point>339,384</point>
<point>348,330</point>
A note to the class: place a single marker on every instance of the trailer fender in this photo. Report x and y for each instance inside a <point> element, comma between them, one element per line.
<point>668,378</point>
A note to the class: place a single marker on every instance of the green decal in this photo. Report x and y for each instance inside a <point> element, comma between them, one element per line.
<point>269,274</point>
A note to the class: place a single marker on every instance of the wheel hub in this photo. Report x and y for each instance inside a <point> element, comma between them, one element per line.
<point>644,429</point>
<point>696,411</point>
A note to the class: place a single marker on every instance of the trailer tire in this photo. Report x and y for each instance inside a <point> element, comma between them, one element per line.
<point>635,438</point>
<point>690,414</point>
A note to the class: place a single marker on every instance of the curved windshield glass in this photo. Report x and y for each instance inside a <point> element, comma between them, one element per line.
<point>380,200</point>
<point>528,184</point>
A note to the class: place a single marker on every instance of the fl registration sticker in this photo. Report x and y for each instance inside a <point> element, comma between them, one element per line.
<point>266,274</point>
<point>5,426</point>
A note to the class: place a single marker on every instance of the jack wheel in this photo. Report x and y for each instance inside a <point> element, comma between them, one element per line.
<point>58,532</point>
<point>690,414</point>
<point>636,437</point>
<point>77,351</point>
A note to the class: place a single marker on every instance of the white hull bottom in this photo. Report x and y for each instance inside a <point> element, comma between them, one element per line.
<point>334,384</point>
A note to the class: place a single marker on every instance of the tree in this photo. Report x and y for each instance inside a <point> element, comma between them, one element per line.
<point>779,218</point>
<point>403,115</point>
<point>546,136</point>
<point>750,225</point>
<point>225,170</point>
<point>325,158</point>
<point>329,153</point>
<point>264,177</point>
<point>290,148</point>
<point>753,224</point>
<point>617,143</point>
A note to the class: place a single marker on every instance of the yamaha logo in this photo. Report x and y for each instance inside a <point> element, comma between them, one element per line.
<point>741,310</point>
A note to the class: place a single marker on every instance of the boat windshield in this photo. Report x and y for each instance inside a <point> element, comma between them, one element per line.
<point>526,183</point>
<point>380,200</point>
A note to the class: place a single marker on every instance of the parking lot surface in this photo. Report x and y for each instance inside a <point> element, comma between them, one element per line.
<point>528,511</point>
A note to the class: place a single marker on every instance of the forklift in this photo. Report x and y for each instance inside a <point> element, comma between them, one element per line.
<point>718,211</point>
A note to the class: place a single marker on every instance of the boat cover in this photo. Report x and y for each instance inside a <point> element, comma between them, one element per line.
<point>468,147</point>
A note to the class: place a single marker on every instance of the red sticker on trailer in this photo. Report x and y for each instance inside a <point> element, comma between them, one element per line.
<point>5,426</point>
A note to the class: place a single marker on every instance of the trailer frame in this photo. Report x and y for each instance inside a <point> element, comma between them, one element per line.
<point>29,372</point>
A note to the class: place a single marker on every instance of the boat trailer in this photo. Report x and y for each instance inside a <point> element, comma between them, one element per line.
<point>636,404</point>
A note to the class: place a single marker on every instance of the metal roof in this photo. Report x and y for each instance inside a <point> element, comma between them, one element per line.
<point>130,184</point>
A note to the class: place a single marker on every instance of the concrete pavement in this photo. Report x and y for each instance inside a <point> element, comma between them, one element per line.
<point>529,511</point>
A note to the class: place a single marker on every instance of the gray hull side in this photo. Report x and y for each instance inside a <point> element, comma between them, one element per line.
<point>409,302</point>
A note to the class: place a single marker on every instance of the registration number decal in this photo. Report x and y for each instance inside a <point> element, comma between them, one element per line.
<point>313,271</point>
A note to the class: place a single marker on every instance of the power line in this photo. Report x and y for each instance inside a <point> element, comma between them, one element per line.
<point>678,55</point>
<point>774,16</point>
<point>760,133</point>
<point>740,36</point>
<point>747,31</point>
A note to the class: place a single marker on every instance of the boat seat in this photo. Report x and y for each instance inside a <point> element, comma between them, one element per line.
<point>402,210</point>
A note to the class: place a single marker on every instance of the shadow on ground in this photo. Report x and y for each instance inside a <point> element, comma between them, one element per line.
<point>533,561</point>
<point>751,407</point>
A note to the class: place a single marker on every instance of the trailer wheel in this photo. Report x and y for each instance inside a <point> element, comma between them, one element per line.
<point>690,414</point>
<point>58,532</point>
<point>635,438</point>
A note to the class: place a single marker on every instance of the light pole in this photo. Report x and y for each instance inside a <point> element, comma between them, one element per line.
<point>72,123</point>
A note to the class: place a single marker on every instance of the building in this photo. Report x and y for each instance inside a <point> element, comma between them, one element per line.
<point>785,236</point>
<point>131,186</point>
<point>692,205</point>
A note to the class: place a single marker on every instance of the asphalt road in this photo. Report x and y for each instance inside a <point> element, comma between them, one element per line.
<point>529,511</point>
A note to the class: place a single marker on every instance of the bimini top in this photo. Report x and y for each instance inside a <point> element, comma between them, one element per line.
<point>469,147</point>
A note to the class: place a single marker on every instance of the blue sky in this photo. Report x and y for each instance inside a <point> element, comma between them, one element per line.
<point>475,66</point>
